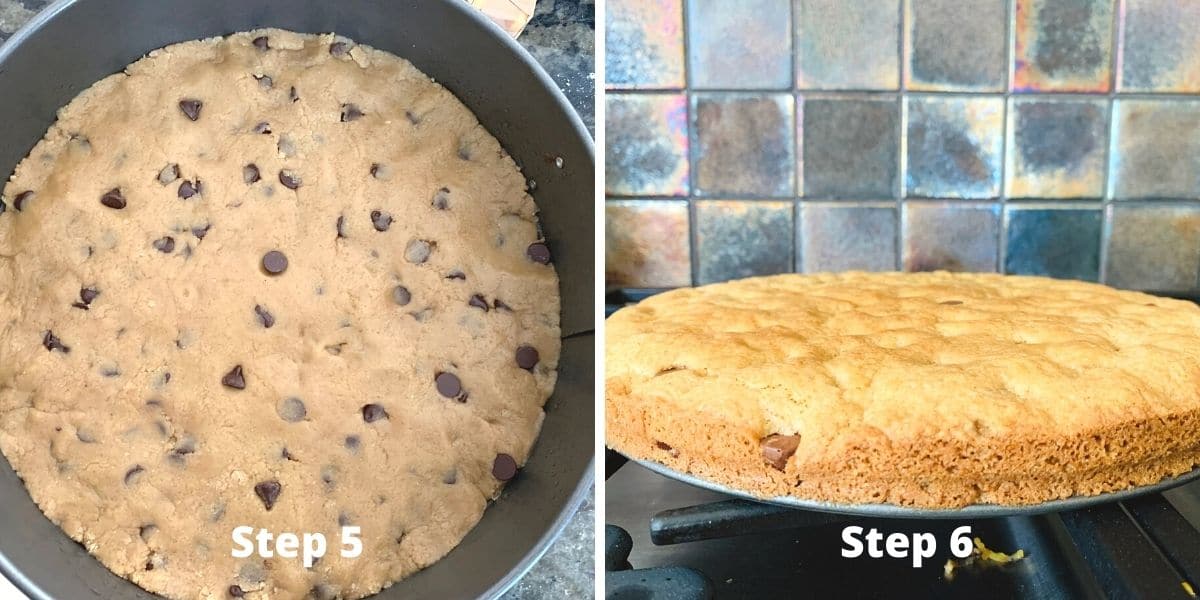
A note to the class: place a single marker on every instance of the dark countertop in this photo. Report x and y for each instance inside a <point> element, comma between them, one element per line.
<point>562,38</point>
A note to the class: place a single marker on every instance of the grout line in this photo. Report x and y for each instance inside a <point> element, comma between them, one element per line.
<point>693,137</point>
<point>1010,57</point>
<point>1110,151</point>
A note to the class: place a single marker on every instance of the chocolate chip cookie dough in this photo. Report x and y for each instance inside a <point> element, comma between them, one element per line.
<point>276,280</point>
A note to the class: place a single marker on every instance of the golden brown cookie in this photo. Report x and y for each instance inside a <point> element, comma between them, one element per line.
<point>927,389</point>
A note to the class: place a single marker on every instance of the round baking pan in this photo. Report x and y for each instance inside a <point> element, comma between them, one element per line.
<point>894,511</point>
<point>74,43</point>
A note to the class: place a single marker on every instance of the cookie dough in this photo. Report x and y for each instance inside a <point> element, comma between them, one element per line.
<point>923,389</point>
<point>276,280</point>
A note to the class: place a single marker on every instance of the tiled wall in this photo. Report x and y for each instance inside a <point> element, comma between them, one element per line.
<point>1056,137</point>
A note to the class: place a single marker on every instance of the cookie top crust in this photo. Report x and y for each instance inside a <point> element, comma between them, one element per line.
<point>278,280</point>
<point>852,359</point>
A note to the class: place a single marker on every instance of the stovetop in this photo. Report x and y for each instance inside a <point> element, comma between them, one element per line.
<point>1145,548</point>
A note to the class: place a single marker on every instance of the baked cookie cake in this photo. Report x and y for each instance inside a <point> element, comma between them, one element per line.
<point>272,280</point>
<point>931,390</point>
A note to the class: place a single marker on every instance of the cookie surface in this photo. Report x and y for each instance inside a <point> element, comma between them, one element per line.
<point>928,389</point>
<point>272,280</point>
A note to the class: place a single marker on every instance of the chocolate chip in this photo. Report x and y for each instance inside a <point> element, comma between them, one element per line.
<point>265,318</point>
<point>327,476</point>
<point>340,227</point>
<point>235,591</point>
<point>351,442</point>
<point>448,385</point>
<point>191,108</point>
<point>274,262</point>
<point>293,95</point>
<point>401,295</point>
<point>110,372</point>
<point>52,343</point>
<point>250,173</point>
<point>132,475</point>
<point>168,174</point>
<point>375,168</point>
<point>264,81</point>
<point>412,118</point>
<point>343,519</point>
<point>339,49</point>
<point>291,410</point>
<point>201,231</point>
<point>464,153</point>
<point>289,179</point>
<point>261,43</point>
<point>418,251</point>
<point>441,199</point>
<point>262,128</point>
<point>777,449</point>
<point>351,112</point>
<point>268,492</point>
<point>185,447</point>
<point>456,275</point>
<point>20,200</point>
<point>450,477</point>
<point>86,296</point>
<point>165,244</point>
<point>478,301</point>
<point>504,467</point>
<point>113,199</point>
<point>538,252</point>
<point>381,220</point>
<point>188,189</point>
<point>284,454</point>
<point>500,305</point>
<point>527,357</point>
<point>373,412</point>
<point>663,446</point>
<point>235,378</point>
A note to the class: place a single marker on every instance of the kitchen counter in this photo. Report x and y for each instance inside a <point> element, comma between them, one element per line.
<point>561,37</point>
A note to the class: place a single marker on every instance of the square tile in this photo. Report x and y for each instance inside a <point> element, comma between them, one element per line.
<point>1063,45</point>
<point>836,236</point>
<point>744,144</point>
<point>1154,248</point>
<point>644,41</point>
<point>951,236</point>
<point>847,45</point>
<point>740,45</point>
<point>1053,241</point>
<point>646,145</point>
<point>851,147</point>
<point>1161,46</point>
<point>1056,148</point>
<point>956,45</point>
<point>1155,150</point>
<point>954,146</point>
<point>646,243</point>
<point>736,239</point>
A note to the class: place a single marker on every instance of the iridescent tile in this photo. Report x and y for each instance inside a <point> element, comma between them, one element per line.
<point>646,148</point>
<point>740,45</point>
<point>847,45</point>
<point>1056,147</point>
<point>736,239</point>
<point>1155,149</point>
<point>1161,46</point>
<point>840,236</point>
<point>744,144</point>
<point>1063,45</point>
<point>851,147</point>
<point>1053,241</point>
<point>951,236</point>
<point>646,243</point>
<point>954,146</point>
<point>956,45</point>
<point>1153,247</point>
<point>644,41</point>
